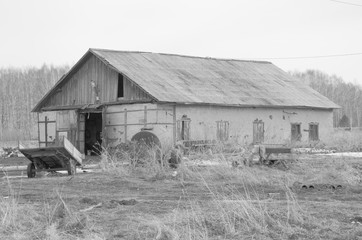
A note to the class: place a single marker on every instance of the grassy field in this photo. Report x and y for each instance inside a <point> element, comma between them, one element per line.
<point>200,201</point>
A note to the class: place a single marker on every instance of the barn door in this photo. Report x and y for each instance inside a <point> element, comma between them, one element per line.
<point>258,131</point>
<point>183,128</point>
<point>46,129</point>
<point>313,132</point>
<point>296,132</point>
<point>67,126</point>
<point>81,129</point>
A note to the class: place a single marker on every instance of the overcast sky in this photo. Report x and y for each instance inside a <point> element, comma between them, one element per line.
<point>60,32</point>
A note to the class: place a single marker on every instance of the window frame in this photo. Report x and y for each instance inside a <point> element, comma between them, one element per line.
<point>313,134</point>
<point>222,130</point>
<point>184,129</point>
<point>297,138</point>
<point>120,89</point>
<point>258,136</point>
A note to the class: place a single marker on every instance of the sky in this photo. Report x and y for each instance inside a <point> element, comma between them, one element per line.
<point>292,34</point>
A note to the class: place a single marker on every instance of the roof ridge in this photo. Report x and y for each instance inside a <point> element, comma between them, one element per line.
<point>180,55</point>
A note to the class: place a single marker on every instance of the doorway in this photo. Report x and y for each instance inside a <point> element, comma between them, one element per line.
<point>258,131</point>
<point>93,133</point>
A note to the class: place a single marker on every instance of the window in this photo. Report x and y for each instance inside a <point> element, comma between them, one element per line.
<point>296,134</point>
<point>313,132</point>
<point>183,128</point>
<point>120,92</point>
<point>222,130</point>
<point>258,131</point>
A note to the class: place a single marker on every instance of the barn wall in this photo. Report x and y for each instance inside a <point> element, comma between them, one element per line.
<point>277,122</point>
<point>46,128</point>
<point>67,125</point>
<point>78,89</point>
<point>58,124</point>
<point>124,121</point>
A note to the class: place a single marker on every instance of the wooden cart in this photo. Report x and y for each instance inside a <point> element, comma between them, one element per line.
<point>62,156</point>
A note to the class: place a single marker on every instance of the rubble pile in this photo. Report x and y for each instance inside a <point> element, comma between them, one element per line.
<point>7,152</point>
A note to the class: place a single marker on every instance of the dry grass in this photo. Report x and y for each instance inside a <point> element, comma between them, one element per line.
<point>343,140</point>
<point>135,159</point>
<point>199,202</point>
<point>45,220</point>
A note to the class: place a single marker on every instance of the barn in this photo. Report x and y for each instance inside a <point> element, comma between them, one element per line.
<point>108,97</point>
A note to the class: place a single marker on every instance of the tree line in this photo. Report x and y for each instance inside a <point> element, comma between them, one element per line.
<point>21,89</point>
<point>346,95</point>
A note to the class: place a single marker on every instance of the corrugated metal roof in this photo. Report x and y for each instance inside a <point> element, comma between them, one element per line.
<point>196,80</point>
<point>185,79</point>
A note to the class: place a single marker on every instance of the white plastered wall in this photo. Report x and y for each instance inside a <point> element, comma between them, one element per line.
<point>277,122</point>
<point>158,120</point>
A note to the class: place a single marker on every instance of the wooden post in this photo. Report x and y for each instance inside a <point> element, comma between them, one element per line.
<point>78,132</point>
<point>125,125</point>
<point>104,128</point>
<point>174,124</point>
<point>145,118</point>
<point>38,130</point>
<point>46,130</point>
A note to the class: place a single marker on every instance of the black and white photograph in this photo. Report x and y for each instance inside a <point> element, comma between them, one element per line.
<point>180,120</point>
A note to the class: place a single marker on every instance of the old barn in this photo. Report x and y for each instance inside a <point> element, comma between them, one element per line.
<point>110,96</point>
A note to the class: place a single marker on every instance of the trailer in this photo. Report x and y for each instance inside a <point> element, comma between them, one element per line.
<point>58,157</point>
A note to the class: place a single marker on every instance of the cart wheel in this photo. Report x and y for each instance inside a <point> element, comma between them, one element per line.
<point>31,170</point>
<point>71,167</point>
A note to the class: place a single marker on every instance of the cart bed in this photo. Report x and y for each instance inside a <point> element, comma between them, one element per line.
<point>53,157</point>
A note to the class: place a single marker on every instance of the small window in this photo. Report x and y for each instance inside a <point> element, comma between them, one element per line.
<point>296,132</point>
<point>183,128</point>
<point>258,131</point>
<point>120,93</point>
<point>222,130</point>
<point>313,132</point>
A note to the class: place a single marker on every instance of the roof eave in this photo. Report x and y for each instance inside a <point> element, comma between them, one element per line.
<point>251,106</point>
<point>92,106</point>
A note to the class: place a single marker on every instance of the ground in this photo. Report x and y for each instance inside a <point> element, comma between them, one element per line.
<point>198,201</point>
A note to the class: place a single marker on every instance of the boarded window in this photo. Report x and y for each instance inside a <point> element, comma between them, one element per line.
<point>120,93</point>
<point>183,128</point>
<point>313,132</point>
<point>222,130</point>
<point>258,131</point>
<point>296,134</point>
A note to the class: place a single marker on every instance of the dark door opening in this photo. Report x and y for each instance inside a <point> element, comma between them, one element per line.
<point>93,134</point>
<point>258,131</point>
<point>296,132</point>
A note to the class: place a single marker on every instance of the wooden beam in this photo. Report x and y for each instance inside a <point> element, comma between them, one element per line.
<point>125,125</point>
<point>174,124</point>
<point>145,117</point>
<point>137,124</point>
<point>104,127</point>
<point>140,110</point>
<point>38,130</point>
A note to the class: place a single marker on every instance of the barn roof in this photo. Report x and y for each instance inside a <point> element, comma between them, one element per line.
<point>196,80</point>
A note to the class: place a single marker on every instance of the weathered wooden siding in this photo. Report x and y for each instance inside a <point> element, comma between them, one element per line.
<point>46,128</point>
<point>132,92</point>
<point>78,90</point>
<point>67,125</point>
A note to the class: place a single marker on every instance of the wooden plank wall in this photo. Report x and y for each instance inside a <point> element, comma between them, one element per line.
<point>77,89</point>
<point>133,92</point>
<point>46,128</point>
